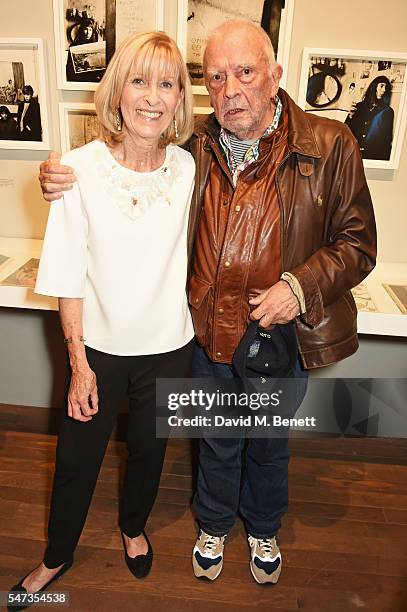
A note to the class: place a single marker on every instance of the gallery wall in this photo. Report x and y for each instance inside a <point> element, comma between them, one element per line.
<point>366,24</point>
<point>348,25</point>
<point>26,375</point>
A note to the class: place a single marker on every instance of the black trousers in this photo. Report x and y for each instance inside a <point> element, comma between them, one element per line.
<point>82,446</point>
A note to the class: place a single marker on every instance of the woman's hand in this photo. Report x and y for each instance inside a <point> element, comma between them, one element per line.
<point>83,394</point>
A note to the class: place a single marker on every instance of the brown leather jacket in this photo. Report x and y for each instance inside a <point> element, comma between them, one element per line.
<point>327,230</point>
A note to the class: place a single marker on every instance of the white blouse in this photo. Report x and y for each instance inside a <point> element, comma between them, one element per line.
<point>118,239</point>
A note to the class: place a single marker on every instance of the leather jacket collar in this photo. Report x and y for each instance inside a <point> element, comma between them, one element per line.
<point>301,138</point>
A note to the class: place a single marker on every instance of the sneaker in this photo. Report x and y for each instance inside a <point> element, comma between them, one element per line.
<point>265,562</point>
<point>207,556</point>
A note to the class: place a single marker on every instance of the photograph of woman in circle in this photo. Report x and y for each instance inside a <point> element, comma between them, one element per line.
<point>367,95</point>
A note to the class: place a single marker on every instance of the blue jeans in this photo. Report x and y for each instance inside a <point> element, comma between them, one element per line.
<point>258,490</point>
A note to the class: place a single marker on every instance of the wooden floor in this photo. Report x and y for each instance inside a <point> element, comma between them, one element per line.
<point>344,540</point>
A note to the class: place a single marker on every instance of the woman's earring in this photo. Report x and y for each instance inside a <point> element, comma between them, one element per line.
<point>118,120</point>
<point>176,128</point>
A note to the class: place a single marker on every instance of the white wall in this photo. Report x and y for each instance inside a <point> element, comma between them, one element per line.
<point>23,212</point>
<point>366,24</point>
<point>369,24</point>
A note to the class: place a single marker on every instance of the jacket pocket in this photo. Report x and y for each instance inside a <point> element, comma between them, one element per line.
<point>199,300</point>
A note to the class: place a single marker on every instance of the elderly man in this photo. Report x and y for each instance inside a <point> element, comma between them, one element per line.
<point>281,228</point>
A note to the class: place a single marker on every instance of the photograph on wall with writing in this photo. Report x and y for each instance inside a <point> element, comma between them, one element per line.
<point>85,42</point>
<point>78,123</point>
<point>365,94</point>
<point>203,16</point>
<point>21,124</point>
<point>83,128</point>
<point>87,33</point>
<point>132,16</point>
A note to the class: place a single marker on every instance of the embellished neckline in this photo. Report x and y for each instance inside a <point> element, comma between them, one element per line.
<point>135,193</point>
<point>125,169</point>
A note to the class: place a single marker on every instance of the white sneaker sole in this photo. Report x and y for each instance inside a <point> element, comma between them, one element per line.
<point>202,574</point>
<point>264,581</point>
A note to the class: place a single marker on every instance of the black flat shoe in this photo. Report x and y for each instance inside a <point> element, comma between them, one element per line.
<point>18,589</point>
<point>139,566</point>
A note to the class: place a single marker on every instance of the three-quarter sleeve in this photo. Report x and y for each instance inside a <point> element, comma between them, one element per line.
<point>63,265</point>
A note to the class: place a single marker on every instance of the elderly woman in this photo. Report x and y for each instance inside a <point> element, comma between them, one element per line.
<point>115,253</point>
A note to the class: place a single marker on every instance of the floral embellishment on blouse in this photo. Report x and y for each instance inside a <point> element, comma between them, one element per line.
<point>136,192</point>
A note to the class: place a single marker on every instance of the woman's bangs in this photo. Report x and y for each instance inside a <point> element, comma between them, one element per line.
<point>154,57</point>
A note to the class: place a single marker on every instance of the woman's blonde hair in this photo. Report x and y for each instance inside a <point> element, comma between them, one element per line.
<point>138,55</point>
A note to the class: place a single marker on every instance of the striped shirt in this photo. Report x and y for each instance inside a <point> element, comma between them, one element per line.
<point>241,153</point>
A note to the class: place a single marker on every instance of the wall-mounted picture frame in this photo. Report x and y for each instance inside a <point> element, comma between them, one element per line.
<point>23,94</point>
<point>198,18</point>
<point>78,124</point>
<point>87,34</point>
<point>364,89</point>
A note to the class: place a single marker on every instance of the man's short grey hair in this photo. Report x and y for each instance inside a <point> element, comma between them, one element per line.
<point>268,46</point>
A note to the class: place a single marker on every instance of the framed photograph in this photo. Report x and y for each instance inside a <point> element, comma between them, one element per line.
<point>80,43</point>
<point>78,124</point>
<point>198,18</point>
<point>398,294</point>
<point>364,89</point>
<point>24,276</point>
<point>23,97</point>
<point>87,34</point>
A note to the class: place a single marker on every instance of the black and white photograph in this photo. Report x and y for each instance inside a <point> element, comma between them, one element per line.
<point>85,26</point>
<point>79,124</point>
<point>80,37</point>
<point>87,61</point>
<point>198,18</point>
<point>367,93</point>
<point>87,34</point>
<point>23,113</point>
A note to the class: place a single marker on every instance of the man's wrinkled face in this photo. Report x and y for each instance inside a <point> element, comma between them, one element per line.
<point>240,83</point>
